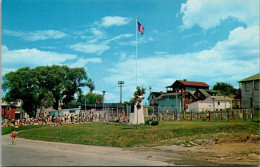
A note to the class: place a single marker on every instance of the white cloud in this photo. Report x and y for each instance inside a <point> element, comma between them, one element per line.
<point>160,53</point>
<point>36,35</point>
<point>82,62</point>
<point>196,44</point>
<point>90,48</point>
<point>222,63</point>
<point>210,13</point>
<point>109,21</point>
<point>93,47</point>
<point>139,41</point>
<point>14,59</point>
<point>242,43</point>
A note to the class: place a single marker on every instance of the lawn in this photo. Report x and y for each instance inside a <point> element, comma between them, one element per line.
<point>6,130</point>
<point>167,133</point>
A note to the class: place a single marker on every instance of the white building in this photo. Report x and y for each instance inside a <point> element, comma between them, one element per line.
<point>211,102</point>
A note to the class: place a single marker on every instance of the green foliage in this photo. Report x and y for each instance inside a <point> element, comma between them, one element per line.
<point>126,103</point>
<point>225,89</point>
<point>91,98</point>
<point>150,110</point>
<point>152,122</point>
<point>44,86</point>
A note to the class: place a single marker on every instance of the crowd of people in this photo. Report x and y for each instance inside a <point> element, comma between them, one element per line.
<point>55,120</point>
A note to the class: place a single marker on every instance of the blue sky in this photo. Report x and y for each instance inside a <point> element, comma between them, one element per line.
<point>198,40</point>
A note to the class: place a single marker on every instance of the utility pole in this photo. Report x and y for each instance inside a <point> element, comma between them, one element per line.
<point>103,98</point>
<point>121,84</point>
<point>253,94</point>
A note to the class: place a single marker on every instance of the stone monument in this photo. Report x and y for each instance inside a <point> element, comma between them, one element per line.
<point>136,115</point>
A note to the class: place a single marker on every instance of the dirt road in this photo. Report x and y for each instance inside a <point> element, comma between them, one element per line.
<point>40,153</point>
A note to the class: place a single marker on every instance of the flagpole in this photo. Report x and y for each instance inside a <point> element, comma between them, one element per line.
<point>136,49</point>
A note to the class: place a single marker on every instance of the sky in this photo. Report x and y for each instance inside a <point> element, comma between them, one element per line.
<point>198,40</point>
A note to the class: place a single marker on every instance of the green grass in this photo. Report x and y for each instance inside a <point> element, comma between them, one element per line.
<point>6,130</point>
<point>121,135</point>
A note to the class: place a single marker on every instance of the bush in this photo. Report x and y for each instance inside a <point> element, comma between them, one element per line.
<point>147,122</point>
<point>151,122</point>
<point>155,123</point>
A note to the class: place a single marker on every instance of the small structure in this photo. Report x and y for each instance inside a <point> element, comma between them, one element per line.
<point>250,91</point>
<point>73,111</point>
<point>211,103</point>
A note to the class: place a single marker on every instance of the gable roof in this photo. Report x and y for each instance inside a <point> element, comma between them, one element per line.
<point>204,92</point>
<point>167,94</point>
<point>156,94</point>
<point>219,98</point>
<point>190,83</point>
<point>253,77</point>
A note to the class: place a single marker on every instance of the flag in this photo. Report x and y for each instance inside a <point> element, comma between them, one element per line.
<point>140,28</point>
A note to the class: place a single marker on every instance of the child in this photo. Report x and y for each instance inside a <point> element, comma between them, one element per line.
<point>13,135</point>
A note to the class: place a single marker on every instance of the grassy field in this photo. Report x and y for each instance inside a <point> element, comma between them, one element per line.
<point>185,133</point>
<point>6,130</point>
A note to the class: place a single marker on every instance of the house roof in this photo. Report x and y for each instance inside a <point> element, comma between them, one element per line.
<point>156,94</point>
<point>166,94</point>
<point>191,93</point>
<point>191,83</point>
<point>253,77</point>
<point>220,98</point>
<point>204,92</point>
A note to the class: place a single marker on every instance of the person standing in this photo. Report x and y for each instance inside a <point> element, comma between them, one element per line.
<point>13,135</point>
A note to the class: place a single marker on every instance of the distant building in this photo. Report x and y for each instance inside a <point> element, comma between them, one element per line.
<point>186,90</point>
<point>250,92</point>
<point>153,98</point>
<point>12,110</point>
<point>221,103</point>
<point>202,94</point>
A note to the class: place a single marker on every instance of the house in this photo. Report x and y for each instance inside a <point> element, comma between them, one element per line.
<point>186,90</point>
<point>170,102</point>
<point>12,110</point>
<point>211,103</point>
<point>250,92</point>
<point>202,94</point>
<point>152,98</point>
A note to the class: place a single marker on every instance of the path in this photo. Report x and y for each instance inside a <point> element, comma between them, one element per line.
<point>39,153</point>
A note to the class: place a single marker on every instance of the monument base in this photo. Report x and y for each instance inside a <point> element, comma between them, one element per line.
<point>137,119</point>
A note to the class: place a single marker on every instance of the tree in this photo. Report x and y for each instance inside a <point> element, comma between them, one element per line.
<point>91,98</point>
<point>44,86</point>
<point>224,88</point>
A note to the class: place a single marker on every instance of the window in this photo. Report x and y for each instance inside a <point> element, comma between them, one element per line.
<point>218,103</point>
<point>198,94</point>
<point>247,86</point>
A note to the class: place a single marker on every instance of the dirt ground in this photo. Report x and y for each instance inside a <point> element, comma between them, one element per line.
<point>213,154</point>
